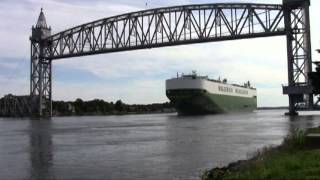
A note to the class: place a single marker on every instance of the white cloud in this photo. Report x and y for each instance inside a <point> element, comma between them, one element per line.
<point>134,92</point>
<point>271,97</point>
<point>14,86</point>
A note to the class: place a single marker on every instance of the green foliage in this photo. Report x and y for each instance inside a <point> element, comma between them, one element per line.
<point>295,140</point>
<point>314,130</point>
<point>79,106</point>
<point>213,174</point>
<point>100,107</point>
<point>290,161</point>
<point>119,106</point>
<point>282,165</point>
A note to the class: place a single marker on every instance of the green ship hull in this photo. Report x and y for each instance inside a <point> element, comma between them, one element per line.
<point>197,102</point>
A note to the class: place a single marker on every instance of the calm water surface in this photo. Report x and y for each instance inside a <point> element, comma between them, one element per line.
<point>162,146</point>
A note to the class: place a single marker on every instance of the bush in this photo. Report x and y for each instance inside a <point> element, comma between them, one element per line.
<point>295,140</point>
<point>291,160</point>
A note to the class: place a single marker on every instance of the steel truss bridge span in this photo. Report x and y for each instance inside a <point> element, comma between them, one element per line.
<point>168,27</point>
<point>172,26</point>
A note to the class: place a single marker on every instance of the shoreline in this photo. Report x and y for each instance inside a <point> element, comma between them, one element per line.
<point>298,157</point>
<point>116,114</point>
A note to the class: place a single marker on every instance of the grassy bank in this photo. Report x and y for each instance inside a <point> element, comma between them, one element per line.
<point>292,160</point>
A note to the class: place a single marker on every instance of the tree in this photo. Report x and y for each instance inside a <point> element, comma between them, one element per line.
<point>119,106</point>
<point>79,106</point>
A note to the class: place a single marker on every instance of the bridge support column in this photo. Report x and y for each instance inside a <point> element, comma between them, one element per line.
<point>41,70</point>
<point>297,27</point>
<point>41,84</point>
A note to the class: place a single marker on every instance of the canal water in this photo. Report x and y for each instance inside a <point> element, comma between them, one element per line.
<point>135,147</point>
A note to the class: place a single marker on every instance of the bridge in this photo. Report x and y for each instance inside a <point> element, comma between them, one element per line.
<point>178,25</point>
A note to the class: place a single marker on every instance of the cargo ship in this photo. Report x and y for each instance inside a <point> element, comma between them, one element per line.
<point>196,95</point>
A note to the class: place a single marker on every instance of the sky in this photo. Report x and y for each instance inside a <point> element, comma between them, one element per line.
<point>138,76</point>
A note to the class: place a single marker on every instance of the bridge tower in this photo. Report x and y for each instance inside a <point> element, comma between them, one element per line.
<point>41,71</point>
<point>297,27</point>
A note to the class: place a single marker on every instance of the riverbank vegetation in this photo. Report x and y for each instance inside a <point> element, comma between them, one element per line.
<point>101,107</point>
<point>292,160</point>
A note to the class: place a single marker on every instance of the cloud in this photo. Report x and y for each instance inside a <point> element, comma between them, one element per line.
<point>271,97</point>
<point>134,92</point>
<point>16,86</point>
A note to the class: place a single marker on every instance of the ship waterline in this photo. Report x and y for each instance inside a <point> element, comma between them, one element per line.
<point>192,94</point>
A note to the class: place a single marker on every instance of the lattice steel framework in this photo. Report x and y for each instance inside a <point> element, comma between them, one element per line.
<point>41,69</point>
<point>41,75</point>
<point>158,28</point>
<point>167,27</point>
<point>297,24</point>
